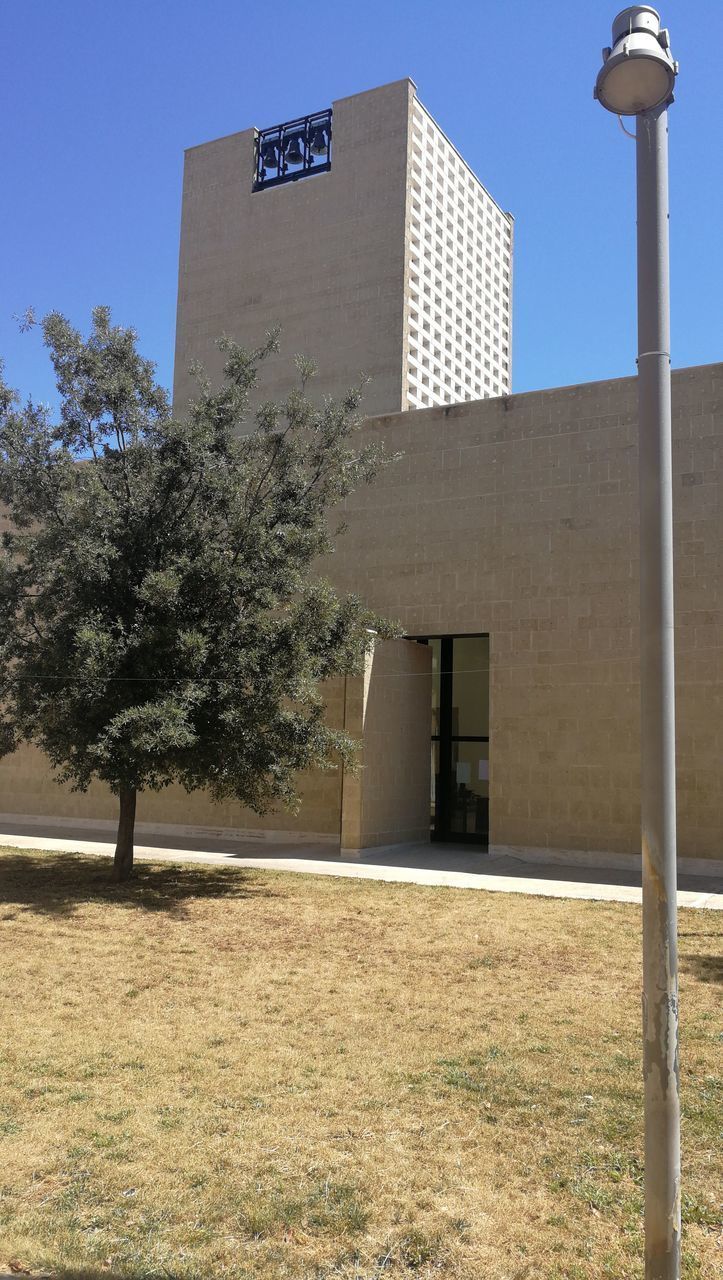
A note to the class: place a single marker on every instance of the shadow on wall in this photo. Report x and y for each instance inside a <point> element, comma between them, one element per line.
<point>60,883</point>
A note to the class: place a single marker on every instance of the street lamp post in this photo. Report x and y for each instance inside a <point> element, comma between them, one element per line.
<point>636,79</point>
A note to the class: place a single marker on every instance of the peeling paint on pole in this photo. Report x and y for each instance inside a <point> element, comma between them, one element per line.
<point>660,1075</point>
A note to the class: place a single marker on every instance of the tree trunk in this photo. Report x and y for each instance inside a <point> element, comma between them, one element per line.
<point>123,859</point>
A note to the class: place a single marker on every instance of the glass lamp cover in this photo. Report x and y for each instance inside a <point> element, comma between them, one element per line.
<point>635,84</point>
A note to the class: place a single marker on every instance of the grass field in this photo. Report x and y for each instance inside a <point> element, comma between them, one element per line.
<point>219,1073</point>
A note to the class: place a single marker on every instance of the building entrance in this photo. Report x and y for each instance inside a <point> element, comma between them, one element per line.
<point>460,738</point>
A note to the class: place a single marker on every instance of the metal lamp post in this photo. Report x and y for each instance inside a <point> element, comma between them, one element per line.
<point>637,79</point>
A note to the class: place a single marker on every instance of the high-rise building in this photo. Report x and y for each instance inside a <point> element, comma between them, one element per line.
<point>362,232</point>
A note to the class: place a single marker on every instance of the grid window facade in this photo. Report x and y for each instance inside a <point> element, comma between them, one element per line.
<point>459,277</point>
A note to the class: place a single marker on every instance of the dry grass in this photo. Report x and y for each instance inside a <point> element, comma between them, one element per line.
<point>218,1073</point>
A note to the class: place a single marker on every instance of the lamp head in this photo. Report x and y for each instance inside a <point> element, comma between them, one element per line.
<point>638,73</point>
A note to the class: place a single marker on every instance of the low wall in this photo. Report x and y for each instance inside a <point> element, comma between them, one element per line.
<point>28,785</point>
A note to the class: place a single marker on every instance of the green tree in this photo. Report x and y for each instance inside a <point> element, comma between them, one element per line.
<point>161,619</point>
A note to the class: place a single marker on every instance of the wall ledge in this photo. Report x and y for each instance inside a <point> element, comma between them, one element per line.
<point>282,836</point>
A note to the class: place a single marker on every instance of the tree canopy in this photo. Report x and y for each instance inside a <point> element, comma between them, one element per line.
<point>162,621</point>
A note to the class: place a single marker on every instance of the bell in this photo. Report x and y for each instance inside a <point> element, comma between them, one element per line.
<point>269,158</point>
<point>294,154</point>
<point>318,142</point>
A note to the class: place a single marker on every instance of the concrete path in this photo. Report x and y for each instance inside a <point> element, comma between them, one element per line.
<point>456,866</point>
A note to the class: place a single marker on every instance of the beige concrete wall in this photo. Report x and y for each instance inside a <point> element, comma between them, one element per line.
<point>518,516</point>
<point>324,255</point>
<point>386,800</point>
<point>28,786</point>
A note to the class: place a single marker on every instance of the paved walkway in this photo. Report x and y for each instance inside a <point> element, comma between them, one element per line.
<point>456,866</point>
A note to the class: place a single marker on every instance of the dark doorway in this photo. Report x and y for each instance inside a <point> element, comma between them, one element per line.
<point>460,738</point>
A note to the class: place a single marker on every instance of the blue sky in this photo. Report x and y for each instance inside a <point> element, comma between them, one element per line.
<point>99,98</point>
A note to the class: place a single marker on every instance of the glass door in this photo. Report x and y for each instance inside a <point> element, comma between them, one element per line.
<point>460,739</point>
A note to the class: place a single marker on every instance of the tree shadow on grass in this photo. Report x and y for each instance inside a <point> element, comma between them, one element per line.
<point>59,883</point>
<point>704,968</point>
<point>96,1273</point>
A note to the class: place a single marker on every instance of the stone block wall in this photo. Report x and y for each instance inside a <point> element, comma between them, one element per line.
<point>324,256</point>
<point>28,786</point>
<point>519,517</point>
